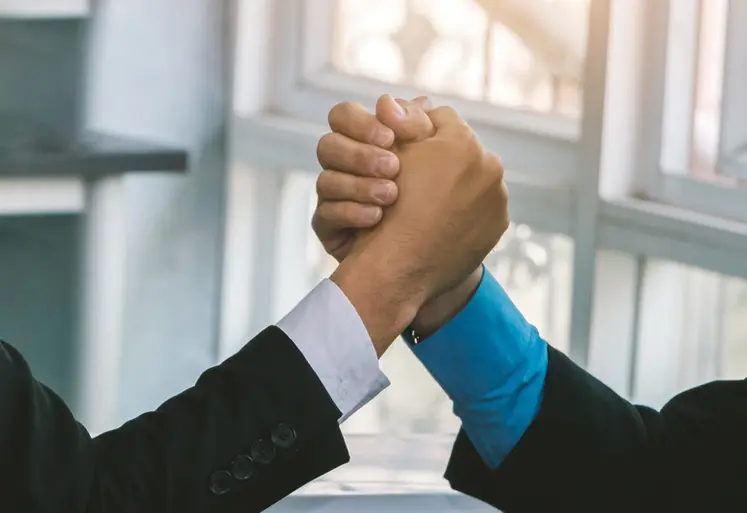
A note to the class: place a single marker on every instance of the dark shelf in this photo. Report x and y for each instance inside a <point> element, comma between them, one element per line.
<point>91,155</point>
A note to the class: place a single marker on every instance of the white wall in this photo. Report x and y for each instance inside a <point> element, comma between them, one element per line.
<point>157,70</point>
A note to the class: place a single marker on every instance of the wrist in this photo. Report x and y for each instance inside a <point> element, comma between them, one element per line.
<point>385,298</point>
<point>441,309</point>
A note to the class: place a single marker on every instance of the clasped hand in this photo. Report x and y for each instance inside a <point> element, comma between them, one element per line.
<point>410,203</point>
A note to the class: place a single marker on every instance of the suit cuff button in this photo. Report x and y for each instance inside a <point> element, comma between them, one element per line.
<point>263,452</point>
<point>284,436</point>
<point>242,467</point>
<point>220,482</point>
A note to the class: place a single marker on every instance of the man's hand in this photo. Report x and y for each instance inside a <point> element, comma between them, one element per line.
<point>451,212</point>
<point>359,167</point>
<point>345,198</point>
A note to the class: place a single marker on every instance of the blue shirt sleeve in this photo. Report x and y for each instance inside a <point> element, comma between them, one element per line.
<point>492,363</point>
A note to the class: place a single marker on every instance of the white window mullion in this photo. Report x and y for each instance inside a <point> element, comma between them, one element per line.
<point>620,171</point>
<point>656,40</point>
<point>587,185</point>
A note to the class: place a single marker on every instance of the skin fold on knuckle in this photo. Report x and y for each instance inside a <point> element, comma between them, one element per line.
<point>448,112</point>
<point>355,215</point>
<point>333,185</point>
<point>363,160</point>
<point>329,217</point>
<point>472,145</point>
<point>362,189</point>
<point>470,152</point>
<point>373,130</point>
<point>497,166</point>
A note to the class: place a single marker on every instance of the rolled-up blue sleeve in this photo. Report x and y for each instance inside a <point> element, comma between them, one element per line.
<point>492,363</point>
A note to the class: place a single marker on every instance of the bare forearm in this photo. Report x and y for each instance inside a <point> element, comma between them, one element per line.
<point>386,298</point>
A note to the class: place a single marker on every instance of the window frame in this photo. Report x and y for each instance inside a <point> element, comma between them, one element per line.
<point>668,180</point>
<point>600,196</point>
<point>307,85</point>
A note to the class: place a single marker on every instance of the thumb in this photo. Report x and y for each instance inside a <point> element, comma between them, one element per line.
<point>408,120</point>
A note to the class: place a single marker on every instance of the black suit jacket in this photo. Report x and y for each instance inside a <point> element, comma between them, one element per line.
<point>589,450</point>
<point>251,431</point>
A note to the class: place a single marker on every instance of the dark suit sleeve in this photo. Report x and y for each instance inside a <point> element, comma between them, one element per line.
<point>251,431</point>
<point>589,450</point>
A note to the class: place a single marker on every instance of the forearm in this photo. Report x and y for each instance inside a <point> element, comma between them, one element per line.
<point>252,429</point>
<point>440,310</point>
<point>386,297</point>
<point>40,444</point>
<point>589,449</point>
<point>221,442</point>
<point>583,432</point>
<point>492,363</point>
<point>335,342</point>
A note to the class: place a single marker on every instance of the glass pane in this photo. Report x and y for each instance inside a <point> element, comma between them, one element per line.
<point>536,270</point>
<point>695,77</point>
<point>693,329</point>
<point>414,412</point>
<point>525,54</point>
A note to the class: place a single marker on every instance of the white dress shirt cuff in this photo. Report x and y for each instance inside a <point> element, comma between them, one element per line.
<point>331,336</point>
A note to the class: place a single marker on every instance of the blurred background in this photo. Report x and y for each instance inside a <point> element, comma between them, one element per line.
<point>157,168</point>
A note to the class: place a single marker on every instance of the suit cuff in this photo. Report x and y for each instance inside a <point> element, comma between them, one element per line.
<point>331,336</point>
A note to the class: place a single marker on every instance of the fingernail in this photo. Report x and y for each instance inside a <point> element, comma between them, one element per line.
<point>382,191</point>
<point>371,214</point>
<point>399,110</point>
<point>388,165</point>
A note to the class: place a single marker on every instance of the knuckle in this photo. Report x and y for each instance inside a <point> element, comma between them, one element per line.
<point>340,115</point>
<point>469,137</point>
<point>336,113</point>
<point>323,145</point>
<point>322,183</point>
<point>316,221</point>
<point>501,192</point>
<point>361,189</point>
<point>363,159</point>
<point>320,214</point>
<point>472,147</point>
<point>370,130</point>
<point>505,223</point>
<point>494,166</point>
<point>446,111</point>
<point>347,214</point>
